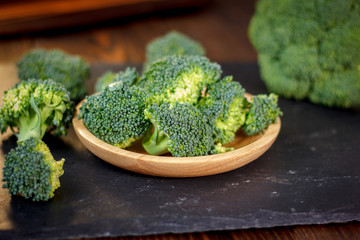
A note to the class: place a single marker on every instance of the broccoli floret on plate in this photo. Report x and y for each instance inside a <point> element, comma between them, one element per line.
<point>116,114</point>
<point>180,78</point>
<point>180,129</point>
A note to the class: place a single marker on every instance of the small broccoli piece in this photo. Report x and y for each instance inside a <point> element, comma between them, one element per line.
<point>31,171</point>
<point>264,111</point>
<point>180,78</point>
<point>33,107</point>
<point>104,80</point>
<point>309,49</point>
<point>69,70</point>
<point>129,76</point>
<point>116,114</point>
<point>179,129</point>
<point>225,108</point>
<point>172,43</point>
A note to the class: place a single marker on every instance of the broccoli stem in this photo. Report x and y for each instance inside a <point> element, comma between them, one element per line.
<point>33,125</point>
<point>155,142</point>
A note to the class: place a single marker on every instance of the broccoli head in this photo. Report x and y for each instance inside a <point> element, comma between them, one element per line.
<point>116,114</point>
<point>172,43</point>
<point>31,171</point>
<point>225,108</point>
<point>128,76</point>
<point>180,78</point>
<point>309,49</point>
<point>33,107</point>
<point>179,129</point>
<point>69,70</point>
<point>263,111</point>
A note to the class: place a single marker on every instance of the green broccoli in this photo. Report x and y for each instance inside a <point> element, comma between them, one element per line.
<point>104,80</point>
<point>225,108</point>
<point>180,129</point>
<point>128,76</point>
<point>309,49</point>
<point>33,107</point>
<point>180,78</point>
<point>263,111</point>
<point>31,171</point>
<point>172,43</point>
<point>116,114</point>
<point>69,70</point>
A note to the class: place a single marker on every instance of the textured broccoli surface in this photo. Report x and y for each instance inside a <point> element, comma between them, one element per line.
<point>309,49</point>
<point>180,78</point>
<point>31,171</point>
<point>116,114</point>
<point>225,108</point>
<point>33,107</point>
<point>180,129</point>
<point>69,70</point>
<point>128,76</point>
<point>172,43</point>
<point>263,111</point>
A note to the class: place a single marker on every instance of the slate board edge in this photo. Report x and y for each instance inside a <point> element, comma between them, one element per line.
<point>158,226</point>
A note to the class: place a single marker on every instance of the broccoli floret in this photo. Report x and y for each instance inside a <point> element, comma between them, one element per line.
<point>264,111</point>
<point>116,114</point>
<point>33,107</point>
<point>225,108</point>
<point>104,80</point>
<point>69,70</point>
<point>172,43</point>
<point>129,76</point>
<point>309,49</point>
<point>180,78</point>
<point>180,129</point>
<point>31,171</point>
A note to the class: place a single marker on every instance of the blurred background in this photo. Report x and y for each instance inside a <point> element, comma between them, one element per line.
<point>117,31</point>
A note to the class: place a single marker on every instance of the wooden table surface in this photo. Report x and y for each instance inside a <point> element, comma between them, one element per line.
<point>221,26</point>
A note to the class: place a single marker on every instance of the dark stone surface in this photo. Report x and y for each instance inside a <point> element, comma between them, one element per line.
<point>310,175</point>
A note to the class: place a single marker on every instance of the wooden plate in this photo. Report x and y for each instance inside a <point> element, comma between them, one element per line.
<point>246,150</point>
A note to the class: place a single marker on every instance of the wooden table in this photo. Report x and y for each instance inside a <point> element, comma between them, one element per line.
<point>221,26</point>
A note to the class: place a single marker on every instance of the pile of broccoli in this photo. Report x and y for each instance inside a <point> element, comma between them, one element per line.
<point>30,109</point>
<point>42,102</point>
<point>309,49</point>
<point>180,104</point>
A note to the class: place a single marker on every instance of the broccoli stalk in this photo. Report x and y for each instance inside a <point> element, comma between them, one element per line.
<point>31,171</point>
<point>156,141</point>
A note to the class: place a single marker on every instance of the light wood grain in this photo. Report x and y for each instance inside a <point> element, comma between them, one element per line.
<point>246,150</point>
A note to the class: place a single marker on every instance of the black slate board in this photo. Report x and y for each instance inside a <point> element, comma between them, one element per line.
<point>310,175</point>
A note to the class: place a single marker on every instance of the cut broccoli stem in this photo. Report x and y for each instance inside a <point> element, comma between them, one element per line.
<point>31,126</point>
<point>155,142</point>
<point>35,124</point>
